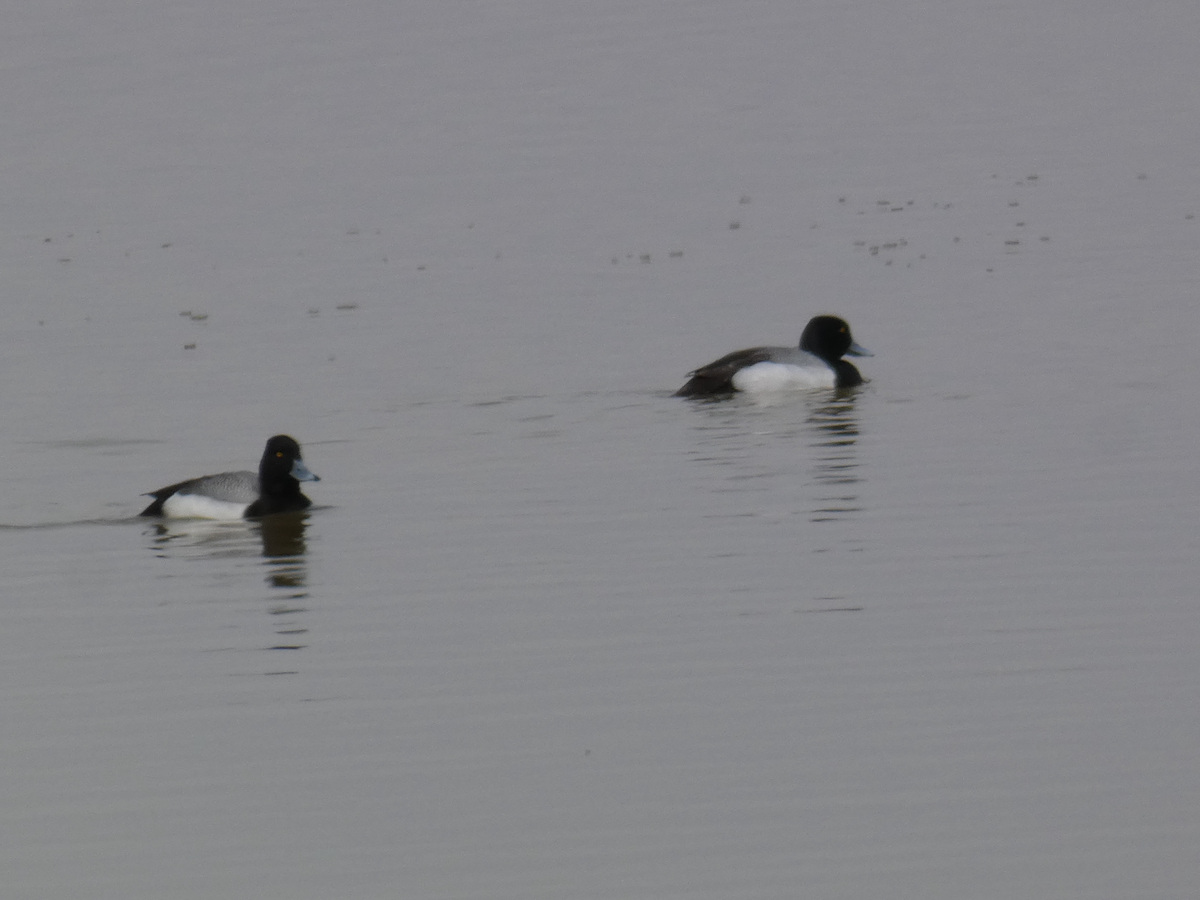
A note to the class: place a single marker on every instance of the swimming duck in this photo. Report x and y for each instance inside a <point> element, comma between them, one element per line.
<point>816,363</point>
<point>237,495</point>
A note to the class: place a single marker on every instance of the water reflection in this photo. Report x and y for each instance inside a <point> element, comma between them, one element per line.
<point>835,466</point>
<point>283,547</point>
<point>278,540</point>
<point>747,435</point>
<point>283,550</point>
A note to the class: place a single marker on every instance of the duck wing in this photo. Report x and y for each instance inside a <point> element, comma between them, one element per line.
<point>717,376</point>
<point>229,487</point>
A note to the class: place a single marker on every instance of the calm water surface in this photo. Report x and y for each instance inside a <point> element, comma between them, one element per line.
<point>550,632</point>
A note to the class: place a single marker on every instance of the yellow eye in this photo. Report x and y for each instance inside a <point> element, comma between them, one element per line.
<point>278,455</point>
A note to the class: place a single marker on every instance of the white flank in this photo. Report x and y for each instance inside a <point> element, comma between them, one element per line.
<point>768,376</point>
<point>195,506</point>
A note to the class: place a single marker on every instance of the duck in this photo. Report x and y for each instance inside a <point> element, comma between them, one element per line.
<point>816,363</point>
<point>275,488</point>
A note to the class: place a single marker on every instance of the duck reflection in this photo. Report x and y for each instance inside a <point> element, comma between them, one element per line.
<point>755,441</point>
<point>277,539</point>
<point>835,466</point>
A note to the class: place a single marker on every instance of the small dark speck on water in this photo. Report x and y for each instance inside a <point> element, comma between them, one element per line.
<point>735,225</point>
<point>347,306</point>
<point>189,346</point>
<point>828,609</point>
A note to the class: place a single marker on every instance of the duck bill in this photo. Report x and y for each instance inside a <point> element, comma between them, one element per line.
<point>858,350</point>
<point>301,473</point>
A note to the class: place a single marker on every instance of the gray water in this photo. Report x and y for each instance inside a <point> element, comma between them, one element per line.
<point>549,631</point>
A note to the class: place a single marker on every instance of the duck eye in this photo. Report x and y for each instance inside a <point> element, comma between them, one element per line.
<point>278,455</point>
